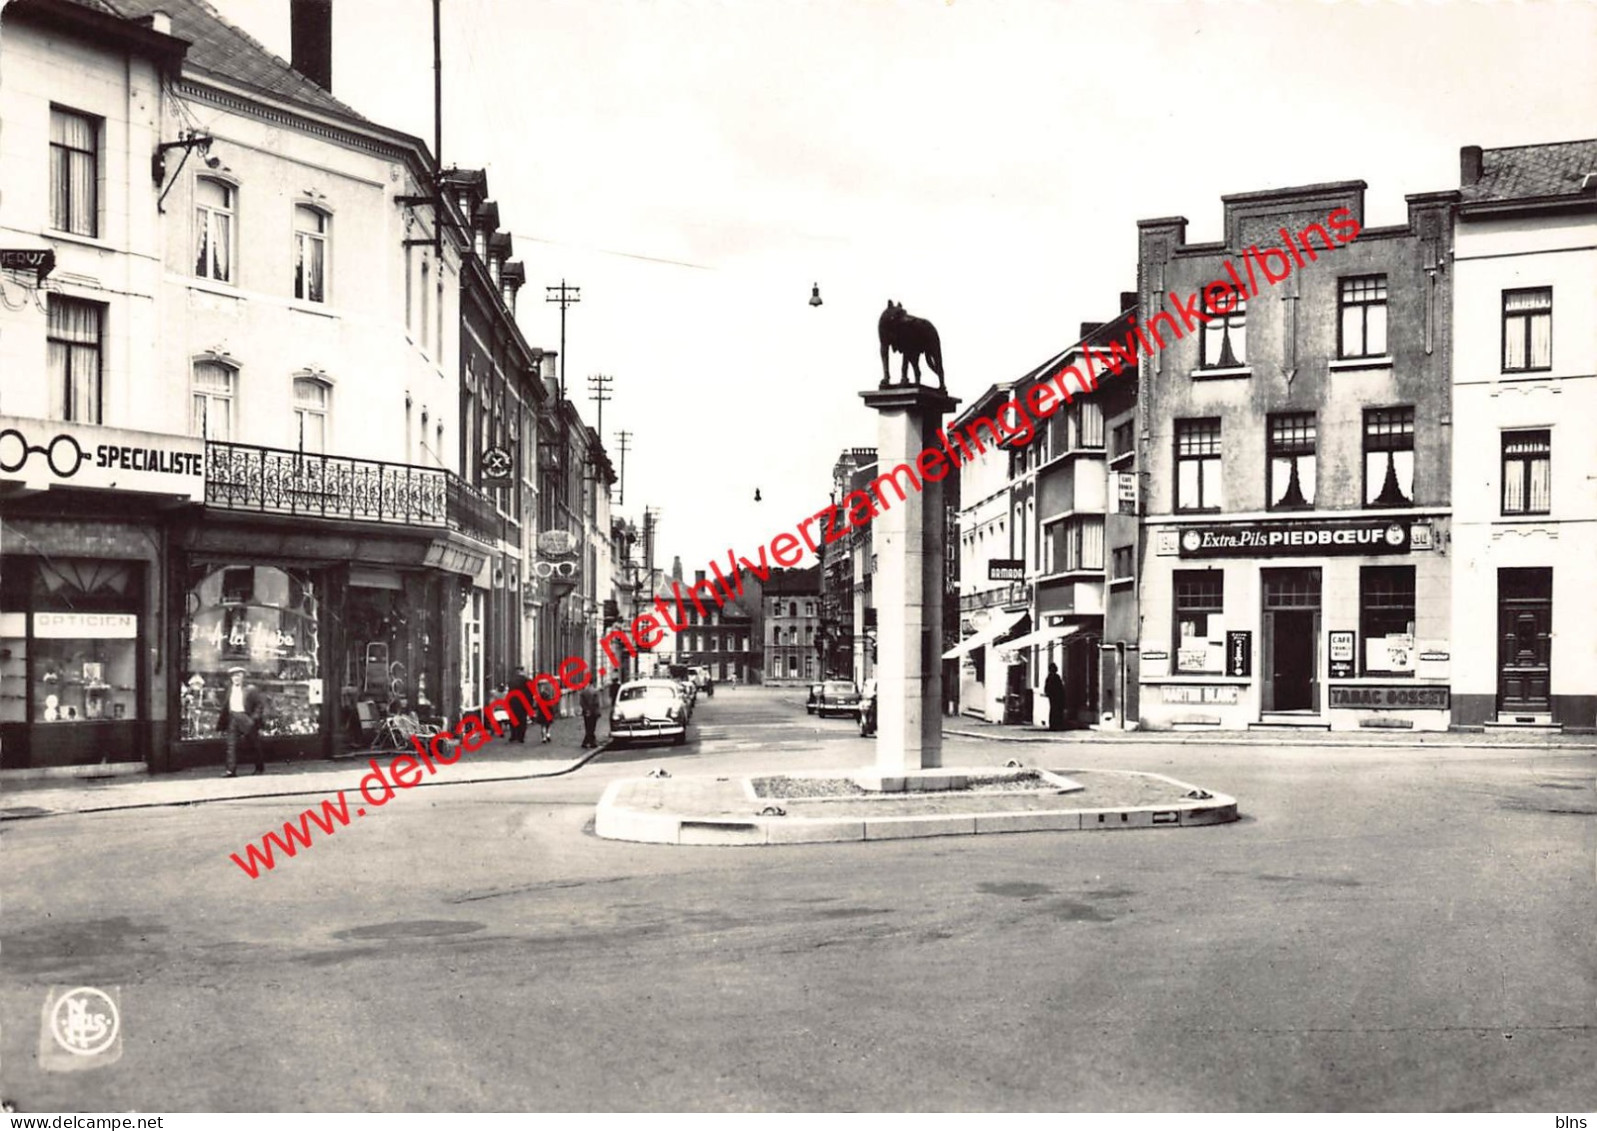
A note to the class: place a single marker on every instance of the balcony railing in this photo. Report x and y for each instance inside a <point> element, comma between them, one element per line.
<point>244,477</point>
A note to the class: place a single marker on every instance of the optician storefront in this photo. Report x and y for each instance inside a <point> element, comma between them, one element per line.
<point>1335,623</point>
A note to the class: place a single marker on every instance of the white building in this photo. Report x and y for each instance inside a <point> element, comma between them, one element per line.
<point>1524,459</point>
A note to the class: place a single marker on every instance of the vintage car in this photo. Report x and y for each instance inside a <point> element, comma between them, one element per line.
<point>838,697</point>
<point>814,698</point>
<point>867,710</point>
<point>650,708</point>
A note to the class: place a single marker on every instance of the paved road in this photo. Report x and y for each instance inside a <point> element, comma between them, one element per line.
<point>1385,929</point>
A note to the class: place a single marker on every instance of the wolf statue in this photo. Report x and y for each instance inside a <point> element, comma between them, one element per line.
<point>910,336</point>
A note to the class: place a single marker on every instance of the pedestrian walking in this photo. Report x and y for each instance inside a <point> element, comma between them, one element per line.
<point>1054,688</point>
<point>242,714</point>
<point>589,700</point>
<point>615,688</point>
<point>518,721</point>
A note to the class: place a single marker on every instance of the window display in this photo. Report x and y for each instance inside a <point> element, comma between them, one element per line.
<point>265,620</point>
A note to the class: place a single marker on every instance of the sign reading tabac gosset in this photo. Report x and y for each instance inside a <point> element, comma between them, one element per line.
<point>1281,539</point>
<point>59,453</point>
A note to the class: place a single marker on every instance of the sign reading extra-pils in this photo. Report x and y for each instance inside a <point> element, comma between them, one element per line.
<point>1271,539</point>
<point>57,453</point>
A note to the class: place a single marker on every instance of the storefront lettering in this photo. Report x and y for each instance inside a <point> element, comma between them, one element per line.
<point>1179,693</point>
<point>85,626</point>
<point>1390,697</point>
<point>253,634</point>
<point>1265,539</point>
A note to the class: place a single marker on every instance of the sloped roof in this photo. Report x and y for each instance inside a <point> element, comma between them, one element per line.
<point>227,52</point>
<point>794,582</point>
<point>1520,171</point>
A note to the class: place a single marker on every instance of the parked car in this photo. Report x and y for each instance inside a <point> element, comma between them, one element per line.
<point>706,682</point>
<point>867,710</point>
<point>815,697</point>
<point>650,708</point>
<point>838,697</point>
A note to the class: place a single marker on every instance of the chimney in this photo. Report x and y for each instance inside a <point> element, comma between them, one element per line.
<point>1128,299</point>
<point>311,34</point>
<point>1469,165</point>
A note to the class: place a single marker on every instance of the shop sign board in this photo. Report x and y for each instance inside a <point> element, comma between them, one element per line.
<point>1343,649</point>
<point>41,261</point>
<point>498,467</point>
<point>58,453</point>
<point>1391,697</point>
<point>557,544</point>
<point>1239,652</point>
<point>1198,693</point>
<point>1282,539</point>
<point>1193,659</point>
<point>1006,569</point>
<point>85,626</point>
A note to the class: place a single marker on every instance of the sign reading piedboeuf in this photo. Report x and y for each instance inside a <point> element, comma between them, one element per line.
<point>1280,539</point>
<point>58,453</point>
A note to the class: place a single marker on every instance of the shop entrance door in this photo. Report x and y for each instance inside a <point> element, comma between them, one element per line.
<point>1524,641</point>
<point>1291,627</point>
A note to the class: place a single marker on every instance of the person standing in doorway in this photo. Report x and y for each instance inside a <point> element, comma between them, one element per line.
<point>518,721</point>
<point>589,700</point>
<point>1054,688</point>
<point>242,718</point>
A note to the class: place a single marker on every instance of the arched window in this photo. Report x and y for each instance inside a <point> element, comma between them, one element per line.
<point>214,209</point>
<point>313,407</point>
<point>310,254</point>
<point>213,394</point>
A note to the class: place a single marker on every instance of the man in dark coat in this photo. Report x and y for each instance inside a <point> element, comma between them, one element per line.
<point>518,721</point>
<point>243,711</point>
<point>589,699</point>
<point>1054,688</point>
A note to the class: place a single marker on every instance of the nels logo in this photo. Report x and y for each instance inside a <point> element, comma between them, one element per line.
<point>1394,535</point>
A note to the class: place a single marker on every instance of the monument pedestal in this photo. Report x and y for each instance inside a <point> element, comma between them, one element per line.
<point>908,540</point>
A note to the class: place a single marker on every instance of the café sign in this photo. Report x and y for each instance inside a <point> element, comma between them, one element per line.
<point>1283,539</point>
<point>57,453</point>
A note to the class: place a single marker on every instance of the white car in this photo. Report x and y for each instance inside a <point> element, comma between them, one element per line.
<point>650,708</point>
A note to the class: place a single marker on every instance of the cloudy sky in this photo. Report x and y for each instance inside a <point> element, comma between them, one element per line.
<point>695,166</point>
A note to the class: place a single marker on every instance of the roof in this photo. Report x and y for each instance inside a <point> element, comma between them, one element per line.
<point>794,582</point>
<point>228,53</point>
<point>1518,172</point>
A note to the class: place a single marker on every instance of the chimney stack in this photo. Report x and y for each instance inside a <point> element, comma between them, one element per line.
<point>311,35</point>
<point>1469,165</point>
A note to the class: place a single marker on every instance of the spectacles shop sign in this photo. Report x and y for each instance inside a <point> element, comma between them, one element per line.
<point>56,453</point>
<point>1269,539</point>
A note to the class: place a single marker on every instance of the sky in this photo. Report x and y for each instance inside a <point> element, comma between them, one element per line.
<point>696,166</point>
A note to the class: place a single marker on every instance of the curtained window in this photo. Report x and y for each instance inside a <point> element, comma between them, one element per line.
<point>213,230</point>
<point>74,172</point>
<point>1527,472</point>
<point>1225,336</point>
<point>75,329</point>
<point>1292,444</point>
<point>1389,457</point>
<point>1528,329</point>
<point>310,254</point>
<point>1198,465</point>
<point>211,400</point>
<point>312,404</point>
<point>1362,330</point>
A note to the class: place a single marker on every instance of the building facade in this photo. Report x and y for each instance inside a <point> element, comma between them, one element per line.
<point>792,619</point>
<point>1299,457</point>
<point>1524,462</point>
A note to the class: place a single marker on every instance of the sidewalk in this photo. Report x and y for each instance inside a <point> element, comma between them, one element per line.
<point>1491,740</point>
<point>500,760</point>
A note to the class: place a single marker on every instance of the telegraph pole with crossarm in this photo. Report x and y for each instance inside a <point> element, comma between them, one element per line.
<point>565,296</point>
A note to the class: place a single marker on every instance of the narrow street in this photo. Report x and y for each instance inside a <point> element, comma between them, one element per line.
<point>1385,929</point>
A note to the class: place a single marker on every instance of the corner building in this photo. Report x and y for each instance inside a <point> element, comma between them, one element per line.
<point>1294,565</point>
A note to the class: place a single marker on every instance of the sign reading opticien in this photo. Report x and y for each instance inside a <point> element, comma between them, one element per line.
<point>1267,539</point>
<point>56,453</point>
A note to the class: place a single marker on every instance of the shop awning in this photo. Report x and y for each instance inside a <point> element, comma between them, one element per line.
<point>1042,636</point>
<point>1002,623</point>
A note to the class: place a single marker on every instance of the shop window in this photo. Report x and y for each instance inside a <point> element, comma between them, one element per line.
<point>1292,448</point>
<point>212,397</point>
<point>1225,336</point>
<point>1199,605</point>
<point>265,620</point>
<point>74,333</point>
<point>1198,465</point>
<point>1527,472</point>
<point>1527,330</point>
<point>81,663</point>
<point>1389,457</point>
<point>74,172</point>
<point>1386,619</point>
<point>1361,330</point>
<point>310,254</point>
<point>213,229</point>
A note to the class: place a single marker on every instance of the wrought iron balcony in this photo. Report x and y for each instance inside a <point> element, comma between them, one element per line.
<point>244,477</point>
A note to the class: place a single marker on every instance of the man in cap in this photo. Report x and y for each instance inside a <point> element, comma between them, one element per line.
<point>241,721</point>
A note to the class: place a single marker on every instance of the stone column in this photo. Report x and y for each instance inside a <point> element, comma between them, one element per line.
<point>908,539</point>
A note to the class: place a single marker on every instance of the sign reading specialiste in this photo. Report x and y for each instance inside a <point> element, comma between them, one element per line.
<point>59,453</point>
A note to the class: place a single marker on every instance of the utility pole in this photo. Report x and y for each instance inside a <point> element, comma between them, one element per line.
<point>599,392</point>
<point>565,296</point>
<point>623,439</point>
